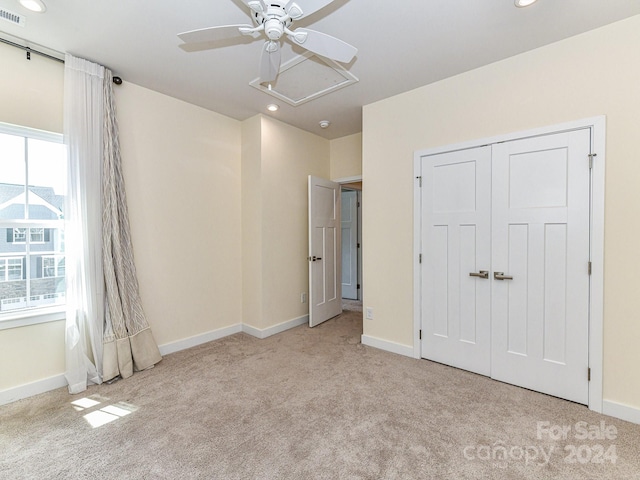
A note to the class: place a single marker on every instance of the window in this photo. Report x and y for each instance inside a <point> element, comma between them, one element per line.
<point>19,235</point>
<point>32,189</point>
<point>10,269</point>
<point>52,266</point>
<point>36,235</point>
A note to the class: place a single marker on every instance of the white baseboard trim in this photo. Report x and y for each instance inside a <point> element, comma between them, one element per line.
<point>196,340</point>
<point>621,411</point>
<point>41,386</point>
<point>392,347</point>
<point>30,389</point>
<point>279,328</point>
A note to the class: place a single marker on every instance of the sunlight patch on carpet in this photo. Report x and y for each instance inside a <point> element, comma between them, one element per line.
<point>106,414</point>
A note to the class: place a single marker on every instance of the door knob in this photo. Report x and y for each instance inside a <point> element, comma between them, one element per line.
<point>501,276</point>
<point>480,274</point>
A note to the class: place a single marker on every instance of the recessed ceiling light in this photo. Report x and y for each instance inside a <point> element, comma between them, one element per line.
<point>37,6</point>
<point>524,3</point>
<point>272,107</point>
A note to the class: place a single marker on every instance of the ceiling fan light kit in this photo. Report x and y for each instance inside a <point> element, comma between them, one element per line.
<point>37,6</point>
<point>274,19</point>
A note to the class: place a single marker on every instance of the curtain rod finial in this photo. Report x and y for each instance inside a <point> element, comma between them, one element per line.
<point>117,80</point>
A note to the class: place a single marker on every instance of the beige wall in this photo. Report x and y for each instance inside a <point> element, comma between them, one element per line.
<point>31,96</point>
<point>31,91</point>
<point>592,74</point>
<point>196,181</point>
<point>276,200</point>
<point>346,156</point>
<point>182,173</point>
<point>182,170</point>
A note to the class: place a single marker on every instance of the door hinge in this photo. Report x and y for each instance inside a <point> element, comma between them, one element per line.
<point>589,374</point>
<point>358,287</point>
<point>358,204</point>
<point>420,258</point>
<point>420,334</point>
<point>591,156</point>
<point>589,268</point>
<point>358,245</point>
<point>420,180</point>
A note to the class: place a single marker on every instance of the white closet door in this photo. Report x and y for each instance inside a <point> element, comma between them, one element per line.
<point>456,235</point>
<point>540,317</point>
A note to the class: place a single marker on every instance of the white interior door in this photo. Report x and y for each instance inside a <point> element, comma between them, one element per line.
<point>541,240</point>
<point>456,236</point>
<point>324,251</point>
<point>349,215</point>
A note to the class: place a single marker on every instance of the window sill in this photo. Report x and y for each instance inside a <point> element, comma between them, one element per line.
<point>32,317</point>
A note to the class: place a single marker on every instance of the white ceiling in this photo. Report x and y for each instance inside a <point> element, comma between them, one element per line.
<point>403,44</point>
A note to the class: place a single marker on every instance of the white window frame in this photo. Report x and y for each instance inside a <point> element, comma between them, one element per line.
<point>36,315</point>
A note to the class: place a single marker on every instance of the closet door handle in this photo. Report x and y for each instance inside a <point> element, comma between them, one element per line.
<point>480,274</point>
<point>501,276</point>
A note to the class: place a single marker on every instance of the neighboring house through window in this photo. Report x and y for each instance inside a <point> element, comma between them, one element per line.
<point>32,189</point>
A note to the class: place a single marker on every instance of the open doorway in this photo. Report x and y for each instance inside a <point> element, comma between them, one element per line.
<point>351,251</point>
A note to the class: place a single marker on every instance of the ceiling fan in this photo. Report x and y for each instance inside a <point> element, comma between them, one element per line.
<point>274,18</point>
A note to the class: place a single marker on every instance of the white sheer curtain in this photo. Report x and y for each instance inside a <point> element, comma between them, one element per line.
<point>107,334</point>
<point>83,130</point>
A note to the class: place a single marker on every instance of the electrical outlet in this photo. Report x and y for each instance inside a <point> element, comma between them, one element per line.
<point>369,313</point>
<point>303,298</point>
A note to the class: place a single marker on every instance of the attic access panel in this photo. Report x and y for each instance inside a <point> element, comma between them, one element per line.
<point>305,78</point>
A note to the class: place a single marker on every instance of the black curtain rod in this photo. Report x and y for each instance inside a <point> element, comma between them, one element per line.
<point>29,50</point>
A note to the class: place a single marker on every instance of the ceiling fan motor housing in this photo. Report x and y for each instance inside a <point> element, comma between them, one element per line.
<point>274,28</point>
<point>274,19</point>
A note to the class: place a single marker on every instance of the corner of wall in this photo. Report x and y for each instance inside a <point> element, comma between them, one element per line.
<point>345,155</point>
<point>251,212</point>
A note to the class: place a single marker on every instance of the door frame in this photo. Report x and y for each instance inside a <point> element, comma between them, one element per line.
<point>597,126</point>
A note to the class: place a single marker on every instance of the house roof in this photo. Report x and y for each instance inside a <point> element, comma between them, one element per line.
<point>45,204</point>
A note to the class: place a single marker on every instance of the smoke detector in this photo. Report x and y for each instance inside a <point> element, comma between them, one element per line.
<point>324,123</point>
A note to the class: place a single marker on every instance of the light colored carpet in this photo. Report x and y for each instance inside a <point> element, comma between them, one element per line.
<point>352,305</point>
<point>306,404</point>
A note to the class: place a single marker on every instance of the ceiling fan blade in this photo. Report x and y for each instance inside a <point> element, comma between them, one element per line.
<point>212,34</point>
<point>257,6</point>
<point>270,62</point>
<point>297,11</point>
<point>323,44</point>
